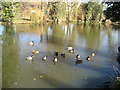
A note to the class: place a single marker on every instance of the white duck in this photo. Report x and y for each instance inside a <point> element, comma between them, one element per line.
<point>44,58</point>
<point>31,43</point>
<point>69,48</point>
<point>93,54</point>
<point>30,58</point>
<point>55,59</point>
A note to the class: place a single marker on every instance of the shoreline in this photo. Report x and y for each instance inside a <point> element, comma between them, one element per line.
<point>51,21</point>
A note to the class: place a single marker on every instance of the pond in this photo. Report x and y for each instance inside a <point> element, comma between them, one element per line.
<point>17,72</point>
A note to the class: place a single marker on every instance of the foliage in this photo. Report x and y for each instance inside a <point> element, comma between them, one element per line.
<point>82,11</point>
<point>0,10</point>
<point>9,10</point>
<point>70,11</point>
<point>113,11</point>
<point>54,10</point>
<point>61,11</point>
<point>36,16</point>
<point>74,11</point>
<point>57,10</point>
<point>117,84</point>
<point>94,12</point>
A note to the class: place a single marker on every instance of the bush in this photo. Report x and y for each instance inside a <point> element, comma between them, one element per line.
<point>9,10</point>
<point>36,16</point>
<point>94,12</point>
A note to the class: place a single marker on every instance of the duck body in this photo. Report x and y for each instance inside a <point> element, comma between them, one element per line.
<point>78,61</point>
<point>55,59</point>
<point>93,54</point>
<point>119,48</point>
<point>44,58</point>
<point>31,43</point>
<point>63,54</point>
<point>30,58</point>
<point>69,48</point>
<point>88,58</point>
<point>56,53</point>
<point>78,56</point>
<point>35,52</point>
<point>72,51</point>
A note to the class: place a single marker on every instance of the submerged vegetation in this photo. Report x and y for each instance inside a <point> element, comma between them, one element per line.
<point>26,12</point>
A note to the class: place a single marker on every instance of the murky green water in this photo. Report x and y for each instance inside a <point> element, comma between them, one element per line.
<point>20,73</point>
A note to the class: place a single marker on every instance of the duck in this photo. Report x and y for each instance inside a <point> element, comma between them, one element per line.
<point>118,78</point>
<point>119,48</point>
<point>88,58</point>
<point>63,54</point>
<point>78,61</point>
<point>78,56</point>
<point>35,52</point>
<point>72,51</point>
<point>56,53</point>
<point>30,58</point>
<point>31,43</point>
<point>93,54</point>
<point>69,48</point>
<point>55,59</point>
<point>44,58</point>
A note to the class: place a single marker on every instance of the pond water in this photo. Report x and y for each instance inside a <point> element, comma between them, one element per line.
<point>20,73</point>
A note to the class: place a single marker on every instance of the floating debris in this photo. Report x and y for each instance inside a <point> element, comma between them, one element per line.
<point>16,83</point>
<point>14,41</point>
<point>41,76</point>
<point>34,79</point>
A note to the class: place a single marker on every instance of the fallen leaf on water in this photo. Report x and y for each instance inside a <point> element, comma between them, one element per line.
<point>34,78</point>
<point>41,76</point>
<point>15,83</point>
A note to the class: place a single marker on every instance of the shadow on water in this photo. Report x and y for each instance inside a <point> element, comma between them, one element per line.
<point>88,82</point>
<point>55,82</point>
<point>98,84</point>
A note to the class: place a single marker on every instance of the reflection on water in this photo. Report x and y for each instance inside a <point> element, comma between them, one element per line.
<point>67,72</point>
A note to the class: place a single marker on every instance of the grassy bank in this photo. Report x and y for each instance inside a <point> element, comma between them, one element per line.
<point>117,84</point>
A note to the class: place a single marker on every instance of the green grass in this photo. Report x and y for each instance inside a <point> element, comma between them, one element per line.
<point>117,84</point>
<point>22,21</point>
